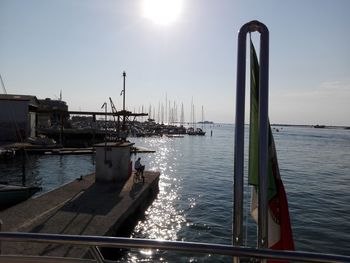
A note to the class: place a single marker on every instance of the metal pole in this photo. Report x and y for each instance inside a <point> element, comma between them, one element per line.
<point>105,124</point>
<point>105,139</point>
<point>0,231</point>
<point>61,129</point>
<point>124,75</point>
<point>239,139</point>
<point>239,134</point>
<point>263,136</point>
<point>97,254</point>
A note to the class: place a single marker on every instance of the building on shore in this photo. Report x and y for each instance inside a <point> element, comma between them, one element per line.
<point>21,116</point>
<point>52,113</point>
<point>18,117</point>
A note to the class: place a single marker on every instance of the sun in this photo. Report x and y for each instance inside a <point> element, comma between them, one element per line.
<point>162,12</point>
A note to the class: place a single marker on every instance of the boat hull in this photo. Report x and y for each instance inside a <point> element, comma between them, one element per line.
<point>11,195</point>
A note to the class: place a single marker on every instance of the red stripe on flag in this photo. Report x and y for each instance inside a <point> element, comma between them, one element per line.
<point>279,207</point>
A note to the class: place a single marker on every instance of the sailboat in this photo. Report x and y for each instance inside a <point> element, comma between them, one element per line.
<point>199,131</point>
<point>193,130</point>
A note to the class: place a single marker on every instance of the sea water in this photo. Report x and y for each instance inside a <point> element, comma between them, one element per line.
<point>195,198</point>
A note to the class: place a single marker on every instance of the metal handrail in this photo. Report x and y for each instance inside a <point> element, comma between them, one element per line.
<point>263,133</point>
<point>191,247</point>
<point>43,259</point>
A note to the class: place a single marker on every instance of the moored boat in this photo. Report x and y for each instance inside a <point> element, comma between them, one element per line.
<point>200,132</point>
<point>14,194</point>
<point>197,131</point>
<point>191,131</point>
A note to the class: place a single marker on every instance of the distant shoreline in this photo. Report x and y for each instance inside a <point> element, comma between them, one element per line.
<point>296,125</point>
<point>312,126</point>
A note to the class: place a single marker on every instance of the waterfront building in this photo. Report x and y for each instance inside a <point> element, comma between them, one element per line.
<point>52,113</point>
<point>17,117</point>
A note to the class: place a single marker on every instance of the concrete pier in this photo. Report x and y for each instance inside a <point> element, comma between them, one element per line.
<point>81,207</point>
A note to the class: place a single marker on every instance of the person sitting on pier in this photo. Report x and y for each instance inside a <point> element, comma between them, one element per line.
<point>139,167</point>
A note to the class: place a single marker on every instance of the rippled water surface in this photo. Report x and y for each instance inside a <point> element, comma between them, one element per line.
<point>195,198</point>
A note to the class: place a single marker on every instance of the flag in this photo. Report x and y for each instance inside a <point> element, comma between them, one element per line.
<point>279,228</point>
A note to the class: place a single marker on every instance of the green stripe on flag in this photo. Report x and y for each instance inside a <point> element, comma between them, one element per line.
<point>254,128</point>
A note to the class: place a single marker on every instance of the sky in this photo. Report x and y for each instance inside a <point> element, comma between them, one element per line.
<point>82,47</point>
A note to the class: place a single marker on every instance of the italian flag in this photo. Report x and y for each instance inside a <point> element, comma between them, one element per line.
<point>279,227</point>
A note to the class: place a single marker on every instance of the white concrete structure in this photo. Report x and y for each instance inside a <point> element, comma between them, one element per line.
<point>113,162</point>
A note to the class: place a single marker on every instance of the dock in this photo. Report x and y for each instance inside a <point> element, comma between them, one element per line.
<point>55,150</point>
<point>81,207</point>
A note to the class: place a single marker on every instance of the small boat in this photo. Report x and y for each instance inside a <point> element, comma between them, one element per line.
<point>200,132</point>
<point>14,194</point>
<point>197,131</point>
<point>191,131</point>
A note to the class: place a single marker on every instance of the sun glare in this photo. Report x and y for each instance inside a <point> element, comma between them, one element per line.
<point>162,12</point>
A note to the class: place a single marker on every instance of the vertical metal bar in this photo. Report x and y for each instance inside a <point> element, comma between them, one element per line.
<point>0,231</point>
<point>239,140</point>
<point>239,135</point>
<point>97,254</point>
<point>263,136</point>
<point>124,75</point>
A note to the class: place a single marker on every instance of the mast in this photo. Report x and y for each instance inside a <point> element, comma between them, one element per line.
<point>166,108</point>
<point>191,118</point>
<point>169,113</point>
<point>194,117</point>
<point>182,118</point>
<point>202,118</point>
<point>124,75</point>
<point>158,114</point>
<point>154,113</point>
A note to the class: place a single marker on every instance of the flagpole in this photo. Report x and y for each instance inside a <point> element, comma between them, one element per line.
<point>263,136</point>
<point>237,238</point>
<point>239,139</point>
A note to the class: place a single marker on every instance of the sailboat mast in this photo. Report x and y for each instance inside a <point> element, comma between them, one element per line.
<point>124,75</point>
<point>202,118</point>
<point>182,118</point>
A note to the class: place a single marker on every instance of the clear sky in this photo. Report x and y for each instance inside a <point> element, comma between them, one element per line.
<point>82,47</point>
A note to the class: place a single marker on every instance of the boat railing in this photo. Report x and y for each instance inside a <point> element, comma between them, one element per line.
<point>93,242</point>
<point>238,186</point>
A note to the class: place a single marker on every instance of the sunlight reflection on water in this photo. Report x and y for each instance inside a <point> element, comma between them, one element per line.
<point>163,220</point>
<point>195,189</point>
<point>177,213</point>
